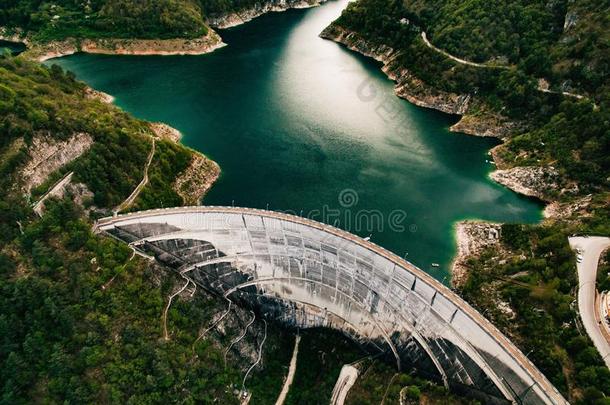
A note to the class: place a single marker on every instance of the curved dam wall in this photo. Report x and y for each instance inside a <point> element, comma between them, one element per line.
<point>305,273</point>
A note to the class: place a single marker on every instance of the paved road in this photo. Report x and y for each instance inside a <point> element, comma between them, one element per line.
<point>592,248</point>
<point>291,371</point>
<point>344,383</point>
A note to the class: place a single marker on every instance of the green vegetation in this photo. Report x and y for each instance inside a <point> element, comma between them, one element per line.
<point>571,134</point>
<point>603,273</point>
<point>322,353</point>
<point>110,18</point>
<point>534,273</point>
<point>146,19</point>
<point>537,278</point>
<point>80,318</point>
<point>378,382</point>
<point>69,333</point>
<point>169,161</point>
<point>265,384</point>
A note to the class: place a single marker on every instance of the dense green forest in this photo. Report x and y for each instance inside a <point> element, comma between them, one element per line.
<point>565,43</point>
<point>115,18</point>
<point>537,277</point>
<point>80,317</point>
<point>556,125</point>
<point>46,20</point>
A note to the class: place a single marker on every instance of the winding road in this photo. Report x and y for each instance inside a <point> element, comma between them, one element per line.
<point>136,192</point>
<point>424,37</point>
<point>591,248</point>
<point>455,58</point>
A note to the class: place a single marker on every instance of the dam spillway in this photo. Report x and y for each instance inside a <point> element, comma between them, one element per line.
<point>304,273</point>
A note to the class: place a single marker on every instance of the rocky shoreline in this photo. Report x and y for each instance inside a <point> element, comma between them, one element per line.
<point>113,46</point>
<point>534,181</point>
<point>472,238</point>
<point>240,17</point>
<point>414,90</point>
<point>197,179</point>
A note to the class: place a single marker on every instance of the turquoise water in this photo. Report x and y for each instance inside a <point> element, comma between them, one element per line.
<point>296,122</point>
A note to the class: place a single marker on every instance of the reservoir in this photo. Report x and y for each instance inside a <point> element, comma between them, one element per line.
<point>300,124</point>
<point>14,48</point>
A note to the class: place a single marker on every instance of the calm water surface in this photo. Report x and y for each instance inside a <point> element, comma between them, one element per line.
<point>294,121</point>
<point>14,48</point>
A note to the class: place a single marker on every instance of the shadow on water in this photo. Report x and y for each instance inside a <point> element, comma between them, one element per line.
<point>284,114</point>
<point>15,48</point>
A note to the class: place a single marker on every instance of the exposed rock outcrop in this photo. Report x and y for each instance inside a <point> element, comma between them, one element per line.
<point>47,155</point>
<point>240,17</point>
<point>112,46</point>
<point>196,180</point>
<point>533,181</point>
<point>164,131</point>
<point>487,124</point>
<point>472,237</point>
<point>566,211</point>
<point>93,94</point>
<point>13,35</point>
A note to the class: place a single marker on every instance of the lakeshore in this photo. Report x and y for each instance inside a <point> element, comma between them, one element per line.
<point>264,112</point>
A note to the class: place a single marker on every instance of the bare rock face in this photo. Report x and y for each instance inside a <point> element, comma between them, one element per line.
<point>196,180</point>
<point>164,131</point>
<point>47,155</point>
<point>565,211</point>
<point>472,237</point>
<point>570,21</point>
<point>13,35</point>
<point>240,17</point>
<point>93,94</point>
<point>533,181</point>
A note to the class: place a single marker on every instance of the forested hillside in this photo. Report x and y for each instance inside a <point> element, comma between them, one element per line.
<point>556,125</point>
<point>79,315</point>
<point>148,19</point>
<point>526,283</point>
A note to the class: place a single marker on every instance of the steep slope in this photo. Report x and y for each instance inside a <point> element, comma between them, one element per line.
<point>485,60</point>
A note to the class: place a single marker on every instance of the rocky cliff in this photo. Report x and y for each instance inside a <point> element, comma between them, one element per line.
<point>46,155</point>
<point>535,181</point>
<point>178,46</point>
<point>472,238</point>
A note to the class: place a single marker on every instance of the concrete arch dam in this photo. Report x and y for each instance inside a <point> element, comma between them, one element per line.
<point>305,274</point>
